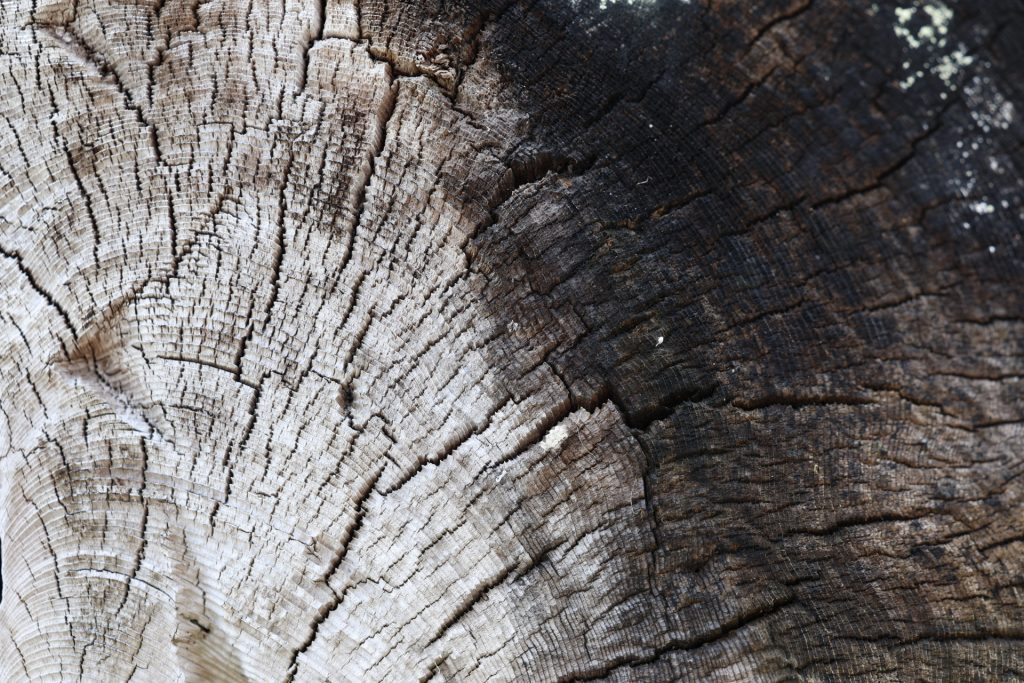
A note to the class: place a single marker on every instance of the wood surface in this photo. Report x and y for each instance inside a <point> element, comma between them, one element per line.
<point>547,340</point>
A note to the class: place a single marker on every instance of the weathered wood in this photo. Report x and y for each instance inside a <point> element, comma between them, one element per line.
<point>554,341</point>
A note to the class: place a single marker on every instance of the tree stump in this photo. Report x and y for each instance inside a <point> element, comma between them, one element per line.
<point>541,340</point>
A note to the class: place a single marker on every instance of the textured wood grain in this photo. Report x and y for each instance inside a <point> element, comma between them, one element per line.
<point>554,341</point>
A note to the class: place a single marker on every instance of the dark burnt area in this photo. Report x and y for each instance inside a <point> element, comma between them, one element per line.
<point>832,263</point>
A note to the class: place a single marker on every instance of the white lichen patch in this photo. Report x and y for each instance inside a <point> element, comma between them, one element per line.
<point>989,108</point>
<point>929,29</point>
<point>926,26</point>
<point>910,80</point>
<point>904,15</point>
<point>605,3</point>
<point>555,437</point>
<point>940,16</point>
<point>951,64</point>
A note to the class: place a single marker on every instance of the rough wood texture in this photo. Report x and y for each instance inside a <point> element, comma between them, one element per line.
<point>547,341</point>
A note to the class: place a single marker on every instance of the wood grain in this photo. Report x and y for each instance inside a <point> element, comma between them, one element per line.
<point>486,341</point>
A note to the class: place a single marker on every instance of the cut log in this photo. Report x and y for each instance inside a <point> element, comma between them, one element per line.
<point>547,340</point>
